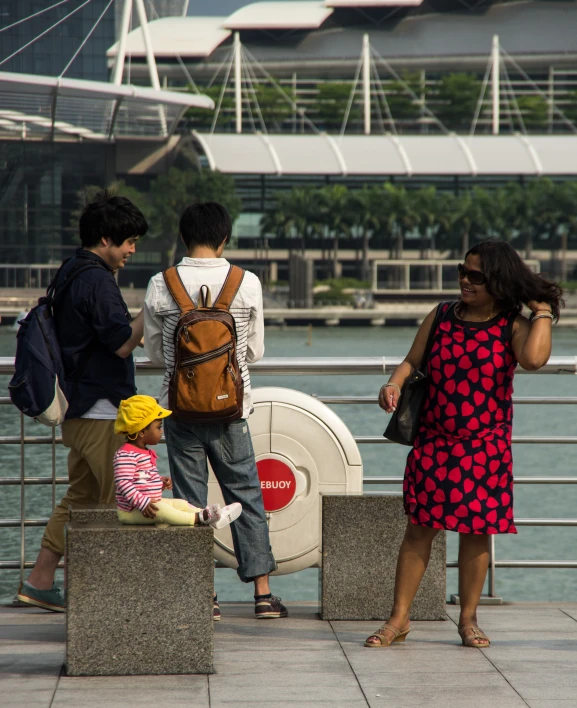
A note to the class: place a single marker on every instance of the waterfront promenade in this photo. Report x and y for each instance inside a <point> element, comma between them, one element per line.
<point>303,661</point>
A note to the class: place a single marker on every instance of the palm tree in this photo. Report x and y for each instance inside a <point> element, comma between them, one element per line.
<point>402,215</point>
<point>566,198</point>
<point>529,209</point>
<point>426,204</point>
<point>301,205</point>
<point>334,203</point>
<point>274,222</point>
<point>365,219</point>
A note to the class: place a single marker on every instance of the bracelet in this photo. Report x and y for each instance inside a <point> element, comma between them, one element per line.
<point>540,317</point>
<point>391,383</point>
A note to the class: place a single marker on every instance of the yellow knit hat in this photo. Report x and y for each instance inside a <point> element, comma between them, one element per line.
<point>136,412</point>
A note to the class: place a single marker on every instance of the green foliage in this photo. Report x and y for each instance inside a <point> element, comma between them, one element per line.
<point>570,110</point>
<point>534,111</point>
<point>332,101</point>
<point>172,192</point>
<point>202,118</point>
<point>118,188</point>
<point>401,103</point>
<point>389,213</point>
<point>168,196</point>
<point>333,297</point>
<point>457,96</point>
<point>273,107</point>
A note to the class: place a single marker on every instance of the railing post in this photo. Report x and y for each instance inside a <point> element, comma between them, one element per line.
<point>53,468</point>
<point>491,573</point>
<point>22,498</point>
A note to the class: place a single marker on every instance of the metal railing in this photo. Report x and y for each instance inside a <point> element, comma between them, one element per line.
<point>312,367</point>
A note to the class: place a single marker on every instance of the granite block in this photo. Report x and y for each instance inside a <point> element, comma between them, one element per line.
<point>361,537</point>
<point>99,514</point>
<point>139,600</point>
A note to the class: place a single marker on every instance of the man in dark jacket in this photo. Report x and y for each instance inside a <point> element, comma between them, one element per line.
<point>96,337</point>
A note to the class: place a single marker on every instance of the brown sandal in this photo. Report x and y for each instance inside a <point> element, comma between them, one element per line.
<point>478,639</point>
<point>384,640</point>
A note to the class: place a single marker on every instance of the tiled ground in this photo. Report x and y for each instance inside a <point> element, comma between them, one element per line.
<point>303,661</point>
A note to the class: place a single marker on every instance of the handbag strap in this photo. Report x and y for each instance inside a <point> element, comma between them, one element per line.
<point>439,316</point>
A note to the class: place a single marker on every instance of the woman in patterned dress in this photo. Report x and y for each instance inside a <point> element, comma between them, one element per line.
<point>459,473</point>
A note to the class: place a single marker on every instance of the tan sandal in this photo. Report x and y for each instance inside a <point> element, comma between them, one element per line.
<point>477,639</point>
<point>384,640</point>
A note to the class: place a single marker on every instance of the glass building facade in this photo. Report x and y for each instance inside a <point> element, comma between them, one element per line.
<point>50,54</point>
<point>41,192</point>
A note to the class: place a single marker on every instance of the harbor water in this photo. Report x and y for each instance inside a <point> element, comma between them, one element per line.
<point>531,501</point>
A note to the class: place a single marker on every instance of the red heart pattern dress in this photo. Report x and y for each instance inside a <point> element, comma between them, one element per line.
<point>459,474</point>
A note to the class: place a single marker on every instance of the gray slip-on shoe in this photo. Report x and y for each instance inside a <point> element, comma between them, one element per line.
<point>53,599</point>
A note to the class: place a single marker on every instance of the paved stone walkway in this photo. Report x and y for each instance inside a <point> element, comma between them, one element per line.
<point>303,661</point>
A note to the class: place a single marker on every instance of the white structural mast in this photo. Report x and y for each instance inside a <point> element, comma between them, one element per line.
<point>121,54</point>
<point>150,60</point>
<point>367,83</point>
<point>118,71</point>
<point>238,81</point>
<point>495,84</point>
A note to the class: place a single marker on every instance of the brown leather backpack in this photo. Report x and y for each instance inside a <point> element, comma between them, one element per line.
<point>206,385</point>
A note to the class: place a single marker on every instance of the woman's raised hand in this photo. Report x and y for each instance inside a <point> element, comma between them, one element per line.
<point>535,306</point>
<point>389,397</point>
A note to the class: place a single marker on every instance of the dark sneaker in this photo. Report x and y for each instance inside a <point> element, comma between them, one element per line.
<point>53,599</point>
<point>215,610</point>
<point>270,608</point>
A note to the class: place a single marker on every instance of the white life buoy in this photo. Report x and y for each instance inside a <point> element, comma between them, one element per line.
<point>303,449</point>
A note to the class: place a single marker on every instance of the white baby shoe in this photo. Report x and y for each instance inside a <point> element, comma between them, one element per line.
<point>218,517</point>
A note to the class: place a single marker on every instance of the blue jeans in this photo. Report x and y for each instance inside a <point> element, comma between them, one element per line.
<point>231,455</point>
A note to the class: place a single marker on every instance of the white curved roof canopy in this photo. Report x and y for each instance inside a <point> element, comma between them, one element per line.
<point>389,155</point>
<point>186,37</point>
<point>279,16</point>
<point>47,105</point>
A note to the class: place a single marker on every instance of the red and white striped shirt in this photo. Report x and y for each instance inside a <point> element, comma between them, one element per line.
<point>136,478</point>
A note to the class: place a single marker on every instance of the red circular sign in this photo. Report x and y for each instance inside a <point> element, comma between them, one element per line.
<point>277,483</point>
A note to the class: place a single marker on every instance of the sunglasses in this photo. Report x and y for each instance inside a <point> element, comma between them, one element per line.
<point>475,277</point>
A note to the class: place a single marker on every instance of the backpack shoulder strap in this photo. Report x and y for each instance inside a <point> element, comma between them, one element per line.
<point>177,290</point>
<point>230,288</point>
<point>60,285</point>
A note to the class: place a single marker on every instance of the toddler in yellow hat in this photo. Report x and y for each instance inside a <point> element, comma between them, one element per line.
<point>139,486</point>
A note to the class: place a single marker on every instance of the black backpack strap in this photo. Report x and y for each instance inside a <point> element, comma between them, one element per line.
<point>56,290</point>
<point>60,284</point>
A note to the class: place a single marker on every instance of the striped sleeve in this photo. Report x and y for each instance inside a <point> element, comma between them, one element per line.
<point>125,470</point>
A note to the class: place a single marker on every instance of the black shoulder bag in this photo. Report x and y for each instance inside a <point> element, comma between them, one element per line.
<point>404,424</point>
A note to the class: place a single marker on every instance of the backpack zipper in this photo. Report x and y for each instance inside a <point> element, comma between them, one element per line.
<point>201,358</point>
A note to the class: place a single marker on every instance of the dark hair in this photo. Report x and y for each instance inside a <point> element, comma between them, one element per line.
<point>510,281</point>
<point>109,216</point>
<point>206,224</point>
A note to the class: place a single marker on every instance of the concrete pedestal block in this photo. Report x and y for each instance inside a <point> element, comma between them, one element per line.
<point>361,537</point>
<point>101,514</point>
<point>139,599</point>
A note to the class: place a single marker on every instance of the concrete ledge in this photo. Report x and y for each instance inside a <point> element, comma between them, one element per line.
<point>361,537</point>
<point>139,600</point>
<point>102,514</point>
